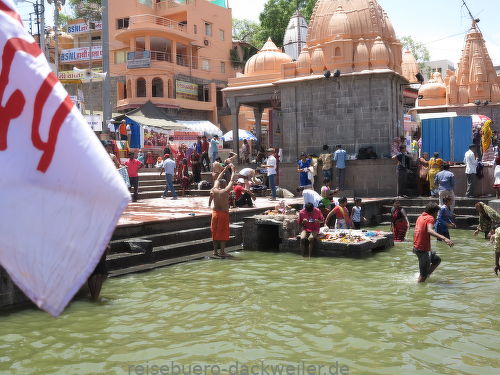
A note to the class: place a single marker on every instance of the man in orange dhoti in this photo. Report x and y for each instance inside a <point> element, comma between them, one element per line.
<point>220,215</point>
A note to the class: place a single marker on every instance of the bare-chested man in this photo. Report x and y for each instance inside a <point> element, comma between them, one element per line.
<point>216,168</point>
<point>220,214</point>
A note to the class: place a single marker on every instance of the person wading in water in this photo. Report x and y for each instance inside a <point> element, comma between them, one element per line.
<point>220,214</point>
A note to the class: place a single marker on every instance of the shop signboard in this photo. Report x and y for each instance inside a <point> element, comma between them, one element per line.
<point>139,59</point>
<point>81,54</point>
<point>94,121</point>
<point>71,76</point>
<point>186,90</point>
<point>78,28</point>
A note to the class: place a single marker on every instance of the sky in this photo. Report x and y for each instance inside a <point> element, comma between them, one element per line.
<point>440,24</point>
<point>432,22</point>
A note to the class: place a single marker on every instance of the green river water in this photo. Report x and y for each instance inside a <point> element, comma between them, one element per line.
<point>270,310</point>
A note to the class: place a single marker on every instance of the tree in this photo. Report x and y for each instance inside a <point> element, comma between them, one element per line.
<point>87,9</point>
<point>276,15</point>
<point>246,31</point>
<point>419,51</point>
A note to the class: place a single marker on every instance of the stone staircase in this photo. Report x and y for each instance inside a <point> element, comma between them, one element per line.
<point>165,245</point>
<point>151,185</point>
<point>466,215</point>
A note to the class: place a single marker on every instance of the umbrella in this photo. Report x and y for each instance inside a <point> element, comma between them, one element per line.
<point>243,134</point>
<point>479,120</point>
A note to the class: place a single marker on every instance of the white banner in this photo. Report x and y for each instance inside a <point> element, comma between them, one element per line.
<point>78,28</point>
<point>61,196</point>
<point>81,54</point>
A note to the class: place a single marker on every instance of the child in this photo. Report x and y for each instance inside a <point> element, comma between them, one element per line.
<point>356,216</point>
<point>428,260</point>
<point>445,218</point>
<point>343,220</point>
<point>399,221</point>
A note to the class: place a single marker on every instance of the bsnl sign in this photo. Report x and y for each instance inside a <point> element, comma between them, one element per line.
<point>78,28</point>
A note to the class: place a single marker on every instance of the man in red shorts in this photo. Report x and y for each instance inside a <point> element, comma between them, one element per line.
<point>428,260</point>
<point>220,214</point>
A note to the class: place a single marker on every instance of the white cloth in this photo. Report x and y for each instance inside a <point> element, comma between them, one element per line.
<point>271,165</point>
<point>246,172</point>
<point>497,175</point>
<point>310,175</point>
<point>470,162</point>
<point>61,200</point>
<point>310,196</point>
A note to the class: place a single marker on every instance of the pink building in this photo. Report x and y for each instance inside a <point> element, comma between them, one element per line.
<point>175,53</point>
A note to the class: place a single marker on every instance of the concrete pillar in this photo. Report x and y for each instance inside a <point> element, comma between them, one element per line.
<point>235,111</point>
<point>149,87</point>
<point>132,44</point>
<point>257,112</point>
<point>174,51</point>
<point>147,43</point>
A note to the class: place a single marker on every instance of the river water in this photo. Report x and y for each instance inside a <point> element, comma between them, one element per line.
<point>270,310</point>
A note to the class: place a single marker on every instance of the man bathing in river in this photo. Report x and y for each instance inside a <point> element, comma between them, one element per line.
<point>220,214</point>
<point>428,260</point>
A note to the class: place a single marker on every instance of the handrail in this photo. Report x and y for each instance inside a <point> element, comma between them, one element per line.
<point>162,21</point>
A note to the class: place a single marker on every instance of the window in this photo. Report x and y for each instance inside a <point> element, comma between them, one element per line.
<point>157,87</point>
<point>338,52</point>
<point>98,37</point>
<point>221,34</point>
<point>205,64</point>
<point>141,88</point>
<point>146,2</point>
<point>195,29</point>
<point>122,23</point>
<point>208,29</point>
<point>223,67</point>
<point>120,57</point>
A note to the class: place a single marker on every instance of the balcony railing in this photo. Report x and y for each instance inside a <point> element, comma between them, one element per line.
<point>166,4</point>
<point>162,21</point>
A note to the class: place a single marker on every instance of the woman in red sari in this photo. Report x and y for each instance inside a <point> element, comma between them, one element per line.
<point>399,221</point>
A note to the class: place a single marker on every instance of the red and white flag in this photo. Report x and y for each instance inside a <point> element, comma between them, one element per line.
<point>60,195</point>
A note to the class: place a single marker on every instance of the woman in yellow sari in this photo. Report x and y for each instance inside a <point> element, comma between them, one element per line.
<point>435,165</point>
<point>486,146</point>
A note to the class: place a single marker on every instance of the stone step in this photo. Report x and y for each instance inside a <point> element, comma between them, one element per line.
<point>459,201</point>
<point>468,211</point>
<point>159,193</point>
<point>161,239</point>
<point>125,260</point>
<point>462,221</point>
<point>168,262</point>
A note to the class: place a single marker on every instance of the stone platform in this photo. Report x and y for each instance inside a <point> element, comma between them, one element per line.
<point>336,249</point>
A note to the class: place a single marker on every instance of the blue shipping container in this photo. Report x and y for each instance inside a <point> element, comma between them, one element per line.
<point>449,136</point>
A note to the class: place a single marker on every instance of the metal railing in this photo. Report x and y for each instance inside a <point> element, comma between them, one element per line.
<point>166,4</point>
<point>162,21</point>
<point>161,56</point>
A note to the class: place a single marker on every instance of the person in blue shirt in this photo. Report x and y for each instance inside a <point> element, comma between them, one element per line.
<point>445,181</point>
<point>340,156</point>
<point>303,164</point>
<point>445,218</point>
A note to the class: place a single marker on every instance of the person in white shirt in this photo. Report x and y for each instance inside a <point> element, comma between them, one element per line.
<point>310,196</point>
<point>248,174</point>
<point>470,161</point>
<point>271,172</point>
<point>169,168</point>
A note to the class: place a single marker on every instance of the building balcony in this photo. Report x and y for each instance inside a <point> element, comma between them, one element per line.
<point>150,23</point>
<point>136,102</point>
<point>172,6</point>
<point>157,59</point>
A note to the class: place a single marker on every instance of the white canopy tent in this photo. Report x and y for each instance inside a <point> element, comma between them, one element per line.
<point>205,127</point>
<point>243,134</point>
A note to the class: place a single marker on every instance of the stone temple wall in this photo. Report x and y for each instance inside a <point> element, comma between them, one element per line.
<point>355,110</point>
